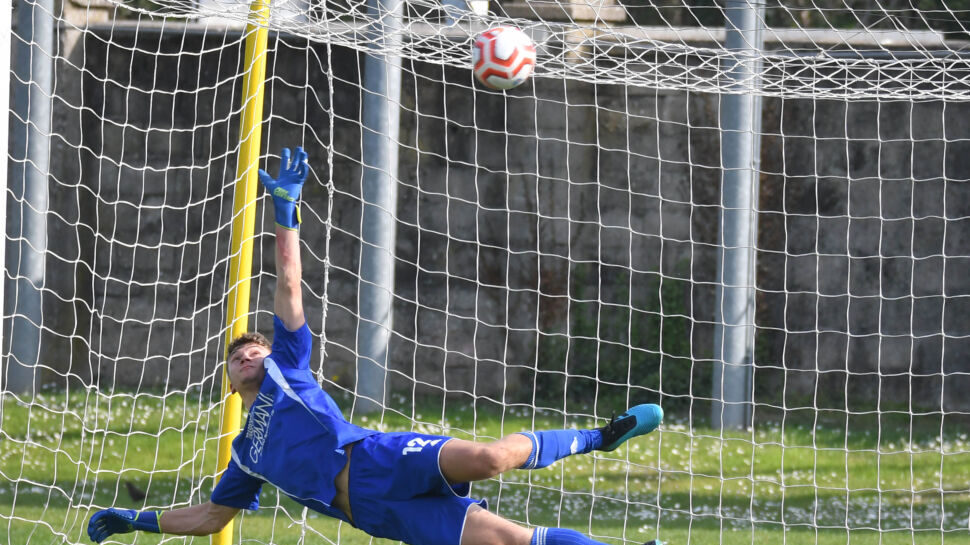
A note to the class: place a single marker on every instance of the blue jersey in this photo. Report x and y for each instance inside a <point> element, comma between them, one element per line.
<point>294,436</point>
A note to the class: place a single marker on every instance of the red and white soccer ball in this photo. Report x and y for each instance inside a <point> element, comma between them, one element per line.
<point>503,57</point>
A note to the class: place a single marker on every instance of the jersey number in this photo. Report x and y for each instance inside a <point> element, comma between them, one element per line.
<point>416,444</point>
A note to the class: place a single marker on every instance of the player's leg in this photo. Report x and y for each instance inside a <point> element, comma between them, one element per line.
<point>463,461</point>
<point>485,528</point>
<point>550,446</point>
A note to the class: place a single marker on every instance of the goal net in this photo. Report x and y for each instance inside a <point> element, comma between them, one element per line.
<point>549,256</point>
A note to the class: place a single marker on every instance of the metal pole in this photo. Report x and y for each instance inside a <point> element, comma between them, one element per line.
<point>29,162</point>
<point>382,91</point>
<point>740,158</point>
<point>6,29</point>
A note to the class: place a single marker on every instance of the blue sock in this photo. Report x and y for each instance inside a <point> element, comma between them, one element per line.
<point>560,536</point>
<point>552,445</point>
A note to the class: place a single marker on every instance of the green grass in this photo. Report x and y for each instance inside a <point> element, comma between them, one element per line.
<point>823,478</point>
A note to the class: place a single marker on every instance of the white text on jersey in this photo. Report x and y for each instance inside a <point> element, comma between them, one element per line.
<point>416,444</point>
<point>259,417</point>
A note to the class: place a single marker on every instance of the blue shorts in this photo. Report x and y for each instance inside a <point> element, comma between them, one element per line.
<point>397,490</point>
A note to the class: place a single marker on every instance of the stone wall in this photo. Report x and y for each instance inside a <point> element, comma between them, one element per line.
<point>866,269</point>
<point>520,217</point>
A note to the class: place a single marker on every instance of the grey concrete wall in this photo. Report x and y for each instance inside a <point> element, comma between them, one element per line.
<point>871,250</point>
<point>520,217</point>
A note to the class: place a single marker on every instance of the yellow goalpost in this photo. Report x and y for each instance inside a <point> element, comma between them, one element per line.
<point>243,223</point>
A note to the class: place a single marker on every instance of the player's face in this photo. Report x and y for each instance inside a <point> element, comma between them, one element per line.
<point>246,366</point>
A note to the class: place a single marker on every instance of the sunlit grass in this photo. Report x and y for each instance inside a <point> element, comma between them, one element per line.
<point>840,480</point>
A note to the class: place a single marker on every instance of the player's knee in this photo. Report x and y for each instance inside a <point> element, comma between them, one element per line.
<point>491,460</point>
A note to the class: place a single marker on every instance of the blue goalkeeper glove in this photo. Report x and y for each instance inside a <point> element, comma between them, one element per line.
<point>285,189</point>
<point>121,521</point>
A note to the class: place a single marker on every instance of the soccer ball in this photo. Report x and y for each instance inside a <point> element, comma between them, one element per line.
<point>503,57</point>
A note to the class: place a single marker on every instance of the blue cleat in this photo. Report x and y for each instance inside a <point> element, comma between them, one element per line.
<point>639,420</point>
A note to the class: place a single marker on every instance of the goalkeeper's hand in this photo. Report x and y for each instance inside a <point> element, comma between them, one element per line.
<point>285,189</point>
<point>121,521</point>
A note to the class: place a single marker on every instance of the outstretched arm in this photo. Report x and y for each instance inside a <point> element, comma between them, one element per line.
<point>197,520</point>
<point>289,273</point>
<point>285,190</point>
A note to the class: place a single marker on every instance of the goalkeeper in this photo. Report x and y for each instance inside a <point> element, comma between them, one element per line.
<point>404,486</point>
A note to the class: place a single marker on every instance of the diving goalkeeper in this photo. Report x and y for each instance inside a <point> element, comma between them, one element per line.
<point>405,486</point>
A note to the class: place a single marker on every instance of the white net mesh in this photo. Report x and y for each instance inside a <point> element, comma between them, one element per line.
<point>556,260</point>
